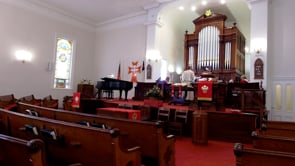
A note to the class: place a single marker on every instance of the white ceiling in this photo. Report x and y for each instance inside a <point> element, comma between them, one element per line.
<point>97,12</point>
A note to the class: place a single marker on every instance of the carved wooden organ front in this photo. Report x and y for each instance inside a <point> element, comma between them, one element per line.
<point>215,46</point>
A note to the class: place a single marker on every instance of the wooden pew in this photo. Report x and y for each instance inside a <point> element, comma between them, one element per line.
<point>254,157</point>
<point>276,143</point>
<point>232,127</point>
<point>279,128</point>
<point>155,145</point>
<point>8,102</point>
<point>20,152</point>
<point>69,143</point>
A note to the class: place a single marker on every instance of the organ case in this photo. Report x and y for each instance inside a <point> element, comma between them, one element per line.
<point>215,46</point>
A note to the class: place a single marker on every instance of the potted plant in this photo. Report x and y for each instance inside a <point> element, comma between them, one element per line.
<point>153,97</point>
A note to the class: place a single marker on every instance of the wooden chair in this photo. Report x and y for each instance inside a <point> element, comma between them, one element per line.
<point>163,114</point>
<point>180,120</point>
<point>145,112</point>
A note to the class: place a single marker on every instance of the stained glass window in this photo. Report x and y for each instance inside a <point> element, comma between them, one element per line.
<point>63,63</point>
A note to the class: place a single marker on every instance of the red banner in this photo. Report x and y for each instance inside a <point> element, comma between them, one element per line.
<point>76,100</point>
<point>205,89</point>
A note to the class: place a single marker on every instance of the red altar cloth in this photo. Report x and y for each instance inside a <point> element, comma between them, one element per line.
<point>76,100</point>
<point>120,112</point>
<point>205,89</point>
<point>153,102</point>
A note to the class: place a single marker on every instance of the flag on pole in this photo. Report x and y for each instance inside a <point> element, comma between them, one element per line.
<point>119,72</point>
<point>142,67</point>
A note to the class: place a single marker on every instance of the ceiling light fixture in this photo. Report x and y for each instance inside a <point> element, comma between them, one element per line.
<point>204,2</point>
<point>222,1</point>
<point>193,8</point>
<point>181,8</point>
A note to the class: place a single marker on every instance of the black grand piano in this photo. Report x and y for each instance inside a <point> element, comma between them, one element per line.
<point>109,84</point>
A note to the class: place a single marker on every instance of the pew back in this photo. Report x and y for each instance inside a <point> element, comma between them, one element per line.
<point>30,99</point>
<point>20,152</point>
<point>69,143</point>
<point>148,135</point>
<point>277,143</point>
<point>8,102</point>
<point>254,157</point>
<point>279,128</point>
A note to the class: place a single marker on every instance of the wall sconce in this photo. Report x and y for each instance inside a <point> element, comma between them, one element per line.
<point>170,68</point>
<point>258,51</point>
<point>23,55</point>
<point>153,55</point>
<point>259,46</point>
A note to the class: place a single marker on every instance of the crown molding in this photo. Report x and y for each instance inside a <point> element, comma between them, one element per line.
<point>125,21</point>
<point>38,7</point>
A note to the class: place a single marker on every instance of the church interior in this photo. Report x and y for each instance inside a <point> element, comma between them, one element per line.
<point>143,82</point>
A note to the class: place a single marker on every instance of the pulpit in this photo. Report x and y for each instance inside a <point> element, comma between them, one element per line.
<point>217,99</point>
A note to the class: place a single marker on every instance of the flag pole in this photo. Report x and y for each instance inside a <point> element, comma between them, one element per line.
<point>119,71</point>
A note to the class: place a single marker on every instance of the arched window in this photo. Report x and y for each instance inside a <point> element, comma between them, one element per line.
<point>63,63</point>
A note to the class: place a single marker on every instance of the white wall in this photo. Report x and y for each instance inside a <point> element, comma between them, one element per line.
<point>120,42</point>
<point>281,41</point>
<point>23,28</point>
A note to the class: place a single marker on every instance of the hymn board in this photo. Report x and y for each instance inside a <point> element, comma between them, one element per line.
<point>215,46</point>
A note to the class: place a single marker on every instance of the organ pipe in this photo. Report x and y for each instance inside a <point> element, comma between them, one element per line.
<point>218,47</point>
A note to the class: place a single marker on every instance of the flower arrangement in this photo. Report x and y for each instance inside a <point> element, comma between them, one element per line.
<point>154,92</point>
<point>84,81</point>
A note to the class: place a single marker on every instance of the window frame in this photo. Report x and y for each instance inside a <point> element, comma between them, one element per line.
<point>71,79</point>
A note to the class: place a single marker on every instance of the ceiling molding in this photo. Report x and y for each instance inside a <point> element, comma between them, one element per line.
<point>119,19</point>
<point>121,23</point>
<point>50,12</point>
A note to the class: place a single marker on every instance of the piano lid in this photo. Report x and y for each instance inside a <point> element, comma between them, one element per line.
<point>114,80</point>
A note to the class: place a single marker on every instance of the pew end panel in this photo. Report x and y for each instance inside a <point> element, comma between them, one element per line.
<point>156,146</point>
<point>69,143</point>
<point>30,152</point>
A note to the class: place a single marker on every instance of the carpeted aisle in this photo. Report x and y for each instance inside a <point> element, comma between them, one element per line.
<point>216,153</point>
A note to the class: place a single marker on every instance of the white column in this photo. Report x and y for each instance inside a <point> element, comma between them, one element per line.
<point>259,31</point>
<point>258,36</point>
<point>153,24</point>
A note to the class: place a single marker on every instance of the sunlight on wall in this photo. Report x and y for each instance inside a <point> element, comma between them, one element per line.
<point>278,95</point>
<point>289,97</point>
